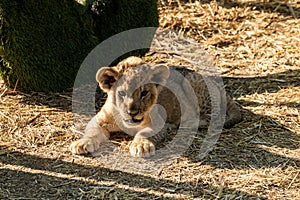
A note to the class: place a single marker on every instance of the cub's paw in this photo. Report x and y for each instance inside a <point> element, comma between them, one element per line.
<point>142,148</point>
<point>83,146</point>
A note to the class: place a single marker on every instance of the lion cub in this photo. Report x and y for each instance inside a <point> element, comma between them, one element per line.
<point>134,89</point>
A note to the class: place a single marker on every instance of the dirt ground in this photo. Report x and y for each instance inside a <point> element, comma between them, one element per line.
<point>255,44</point>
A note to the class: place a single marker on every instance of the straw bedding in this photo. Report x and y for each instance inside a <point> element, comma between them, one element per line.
<point>255,44</point>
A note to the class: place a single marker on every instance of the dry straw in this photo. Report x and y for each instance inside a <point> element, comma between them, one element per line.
<point>256,46</point>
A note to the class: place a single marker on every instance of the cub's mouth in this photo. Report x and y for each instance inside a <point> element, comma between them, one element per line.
<point>133,121</point>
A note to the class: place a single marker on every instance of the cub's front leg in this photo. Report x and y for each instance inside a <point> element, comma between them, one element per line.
<point>142,146</point>
<point>93,137</point>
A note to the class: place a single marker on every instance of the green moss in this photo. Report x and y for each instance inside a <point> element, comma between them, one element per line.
<point>44,42</point>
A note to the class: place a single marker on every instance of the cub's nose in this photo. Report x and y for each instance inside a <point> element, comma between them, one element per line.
<point>132,112</point>
<point>133,107</point>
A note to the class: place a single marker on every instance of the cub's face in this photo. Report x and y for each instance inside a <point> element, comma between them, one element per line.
<point>134,104</point>
<point>133,89</point>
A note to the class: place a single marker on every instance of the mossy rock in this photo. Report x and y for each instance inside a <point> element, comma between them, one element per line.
<point>111,17</point>
<point>44,42</point>
<point>114,16</point>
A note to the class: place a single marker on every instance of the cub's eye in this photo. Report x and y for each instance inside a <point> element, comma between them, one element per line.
<point>144,93</point>
<point>122,94</point>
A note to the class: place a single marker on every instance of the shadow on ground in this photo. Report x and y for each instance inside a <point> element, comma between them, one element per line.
<point>56,179</point>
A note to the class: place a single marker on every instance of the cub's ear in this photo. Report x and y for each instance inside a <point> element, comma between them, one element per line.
<point>106,77</point>
<point>131,61</point>
<point>160,74</point>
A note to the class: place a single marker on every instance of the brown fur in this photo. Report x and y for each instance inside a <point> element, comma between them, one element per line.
<point>129,105</point>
